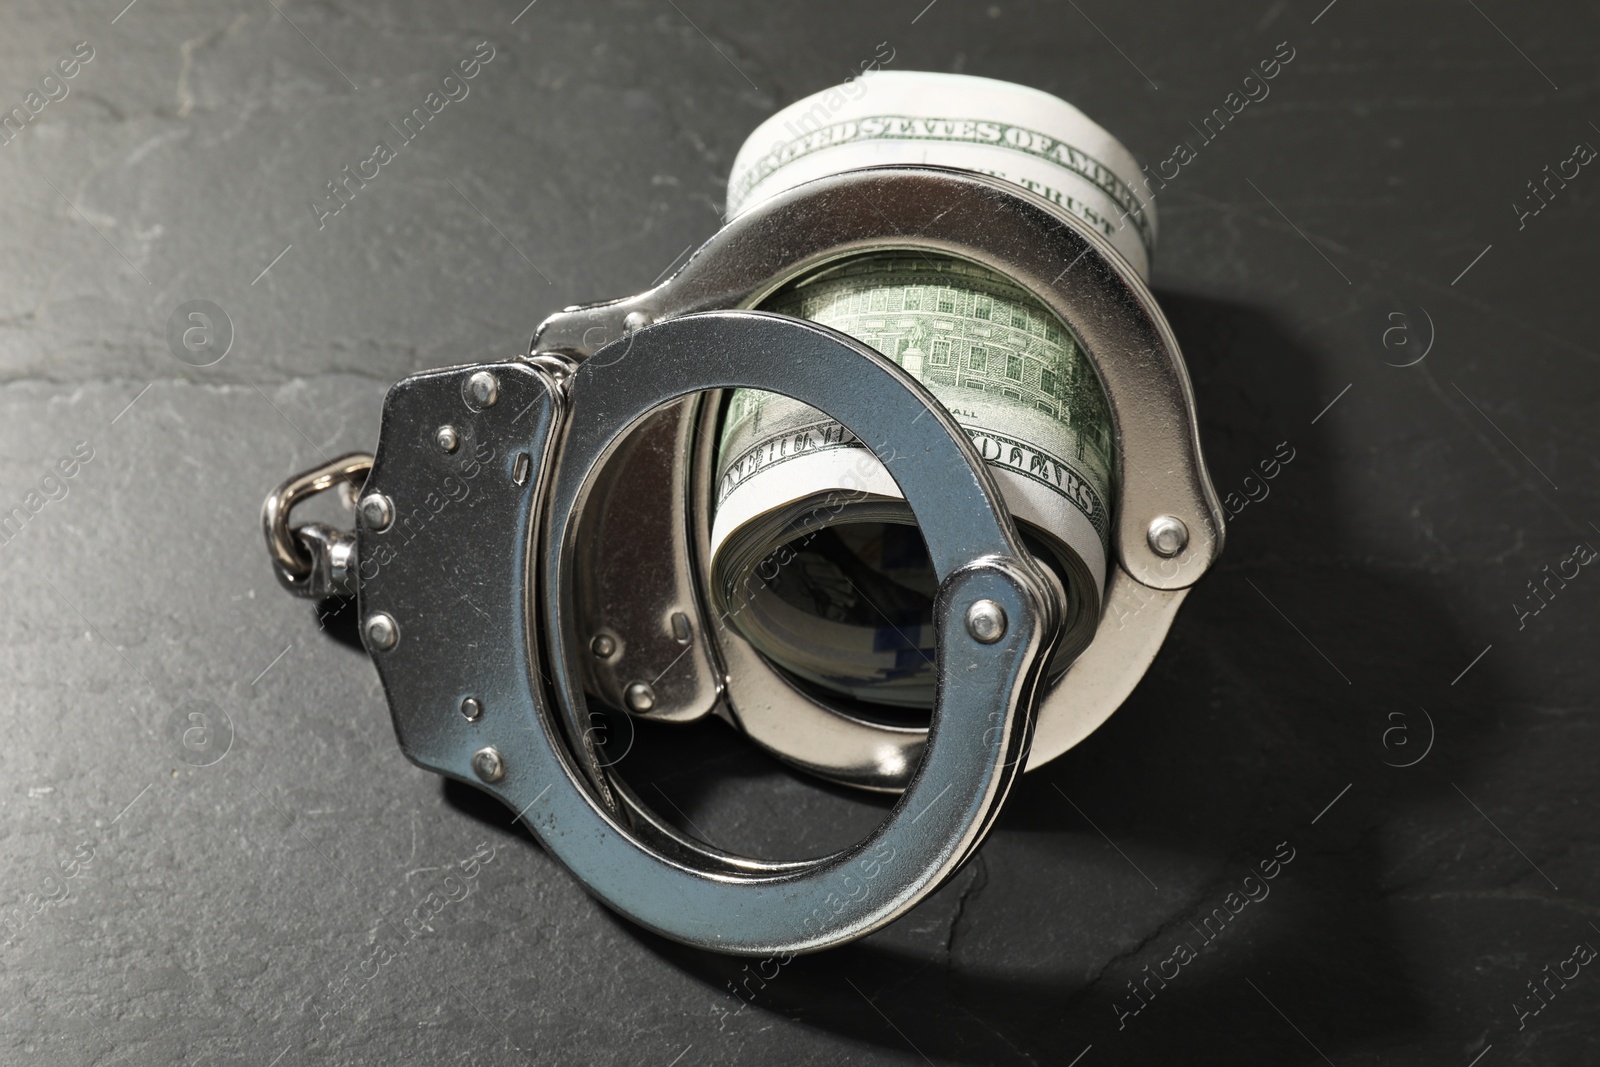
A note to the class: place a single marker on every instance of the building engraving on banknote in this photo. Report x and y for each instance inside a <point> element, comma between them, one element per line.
<point>977,341</point>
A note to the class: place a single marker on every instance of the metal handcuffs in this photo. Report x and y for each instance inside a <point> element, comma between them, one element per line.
<point>533,533</point>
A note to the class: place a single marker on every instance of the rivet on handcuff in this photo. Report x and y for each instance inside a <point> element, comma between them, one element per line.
<point>699,500</point>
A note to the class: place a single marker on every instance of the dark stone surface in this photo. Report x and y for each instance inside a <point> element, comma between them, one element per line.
<point>230,913</point>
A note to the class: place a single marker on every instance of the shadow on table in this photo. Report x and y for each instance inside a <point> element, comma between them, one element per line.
<point>1240,734</point>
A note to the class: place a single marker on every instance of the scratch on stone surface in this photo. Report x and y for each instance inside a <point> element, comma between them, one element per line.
<point>1536,896</point>
<point>1083,991</point>
<point>987,1025</point>
<point>1559,711</point>
<point>184,94</point>
<point>116,113</point>
<point>186,50</point>
<point>151,144</point>
<point>974,889</point>
<point>1182,915</point>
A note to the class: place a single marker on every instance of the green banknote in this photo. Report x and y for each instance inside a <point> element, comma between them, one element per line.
<point>815,557</point>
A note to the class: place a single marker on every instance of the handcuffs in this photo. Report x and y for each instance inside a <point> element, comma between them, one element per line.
<point>531,535</point>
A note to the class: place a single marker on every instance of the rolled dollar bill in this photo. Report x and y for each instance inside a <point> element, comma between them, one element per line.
<point>893,117</point>
<point>815,558</point>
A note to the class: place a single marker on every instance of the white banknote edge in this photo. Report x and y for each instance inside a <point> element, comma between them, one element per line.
<point>820,472</point>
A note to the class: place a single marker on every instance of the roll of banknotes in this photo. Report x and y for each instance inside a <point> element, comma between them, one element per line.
<point>815,557</point>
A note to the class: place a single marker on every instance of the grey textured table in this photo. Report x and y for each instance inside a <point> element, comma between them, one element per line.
<point>309,897</point>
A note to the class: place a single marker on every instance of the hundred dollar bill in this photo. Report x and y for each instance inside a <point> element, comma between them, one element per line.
<point>815,557</point>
